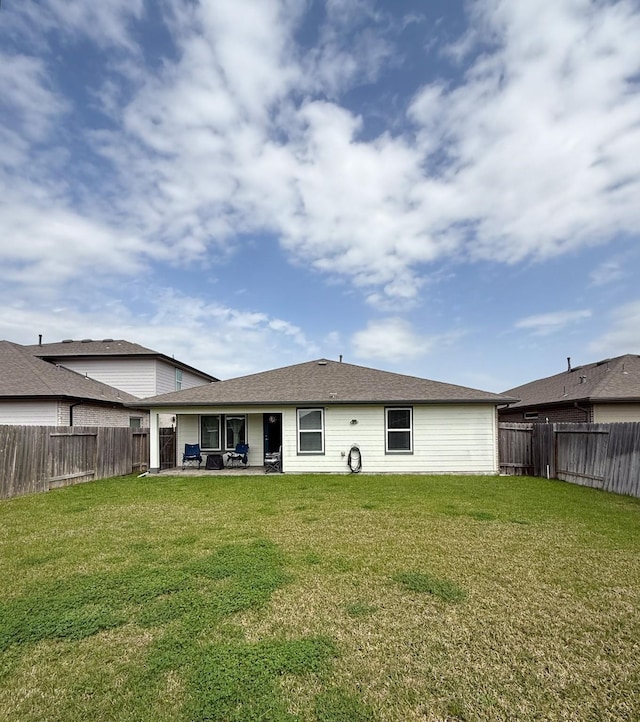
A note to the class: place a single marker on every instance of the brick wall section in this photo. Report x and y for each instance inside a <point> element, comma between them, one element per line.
<point>94,415</point>
<point>554,414</point>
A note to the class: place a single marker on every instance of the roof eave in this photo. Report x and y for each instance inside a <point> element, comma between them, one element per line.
<point>563,402</point>
<point>329,402</point>
<point>99,356</point>
<point>70,397</point>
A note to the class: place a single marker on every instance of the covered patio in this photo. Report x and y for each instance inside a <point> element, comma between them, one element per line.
<point>227,471</point>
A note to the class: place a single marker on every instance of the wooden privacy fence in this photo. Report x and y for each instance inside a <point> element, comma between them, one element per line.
<point>39,458</point>
<point>604,456</point>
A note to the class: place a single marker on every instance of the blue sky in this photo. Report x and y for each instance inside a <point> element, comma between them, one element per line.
<point>445,189</point>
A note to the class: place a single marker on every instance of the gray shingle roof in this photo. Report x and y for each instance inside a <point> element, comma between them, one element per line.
<point>22,375</point>
<point>106,347</point>
<point>324,382</point>
<point>616,379</point>
<point>90,347</point>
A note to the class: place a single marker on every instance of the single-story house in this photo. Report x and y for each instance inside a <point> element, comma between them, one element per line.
<point>318,410</point>
<point>34,392</point>
<point>122,364</point>
<point>602,392</point>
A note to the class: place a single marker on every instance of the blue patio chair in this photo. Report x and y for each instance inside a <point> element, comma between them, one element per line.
<point>191,456</point>
<point>239,456</point>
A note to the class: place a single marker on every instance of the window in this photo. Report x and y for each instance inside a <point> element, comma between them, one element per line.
<point>210,432</point>
<point>222,433</point>
<point>178,379</point>
<point>311,431</point>
<point>235,434</point>
<point>399,430</point>
<point>529,415</point>
<point>135,422</point>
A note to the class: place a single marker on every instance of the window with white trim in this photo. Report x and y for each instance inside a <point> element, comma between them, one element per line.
<point>178,379</point>
<point>311,431</point>
<point>399,430</point>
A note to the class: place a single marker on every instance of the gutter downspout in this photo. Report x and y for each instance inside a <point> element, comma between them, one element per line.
<point>586,412</point>
<point>71,407</point>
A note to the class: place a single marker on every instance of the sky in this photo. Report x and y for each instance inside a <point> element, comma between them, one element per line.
<point>439,188</point>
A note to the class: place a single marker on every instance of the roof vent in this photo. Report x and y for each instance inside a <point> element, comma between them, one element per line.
<point>333,395</point>
<point>107,340</point>
<point>322,363</point>
<point>86,340</point>
<point>67,340</point>
<point>583,379</point>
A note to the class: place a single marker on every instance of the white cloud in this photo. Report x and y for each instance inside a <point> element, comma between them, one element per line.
<point>532,154</point>
<point>624,335</point>
<point>607,272</point>
<point>26,95</point>
<point>221,340</point>
<point>104,23</point>
<point>542,134</point>
<point>547,323</point>
<point>395,340</point>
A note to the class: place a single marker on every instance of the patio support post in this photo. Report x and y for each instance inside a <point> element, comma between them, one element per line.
<point>154,443</point>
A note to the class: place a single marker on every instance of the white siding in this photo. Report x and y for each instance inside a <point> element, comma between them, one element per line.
<point>189,380</point>
<point>136,376</point>
<point>29,413</point>
<point>166,378</point>
<point>446,439</point>
<point>187,432</point>
<point>611,413</point>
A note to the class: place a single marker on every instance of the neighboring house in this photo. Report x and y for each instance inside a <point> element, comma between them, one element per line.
<point>34,392</point>
<point>316,411</point>
<point>606,391</point>
<point>124,365</point>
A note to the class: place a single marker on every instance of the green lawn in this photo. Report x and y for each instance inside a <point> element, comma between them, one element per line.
<point>320,598</point>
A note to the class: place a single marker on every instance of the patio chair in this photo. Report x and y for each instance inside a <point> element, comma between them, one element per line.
<point>273,462</point>
<point>239,456</point>
<point>191,456</point>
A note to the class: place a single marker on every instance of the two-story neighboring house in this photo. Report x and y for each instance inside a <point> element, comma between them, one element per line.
<point>34,392</point>
<point>86,383</point>
<point>124,365</point>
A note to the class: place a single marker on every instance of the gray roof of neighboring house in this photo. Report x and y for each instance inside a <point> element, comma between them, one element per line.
<point>108,347</point>
<point>24,376</point>
<point>324,382</point>
<point>611,380</point>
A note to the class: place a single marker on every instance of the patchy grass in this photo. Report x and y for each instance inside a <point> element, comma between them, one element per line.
<point>320,598</point>
<point>424,582</point>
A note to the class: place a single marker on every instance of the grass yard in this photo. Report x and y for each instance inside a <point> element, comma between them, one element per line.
<point>323,598</point>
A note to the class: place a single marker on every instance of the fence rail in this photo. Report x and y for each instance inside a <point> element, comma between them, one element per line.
<point>39,458</point>
<point>603,456</point>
